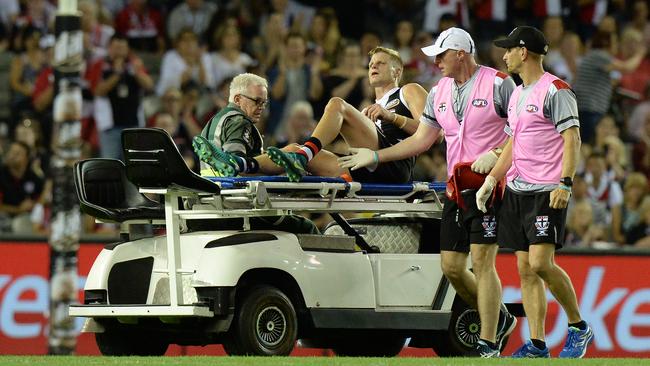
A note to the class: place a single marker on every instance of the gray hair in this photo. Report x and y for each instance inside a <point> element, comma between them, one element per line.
<point>302,106</point>
<point>242,82</point>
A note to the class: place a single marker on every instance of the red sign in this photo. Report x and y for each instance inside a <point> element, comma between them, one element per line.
<point>613,294</point>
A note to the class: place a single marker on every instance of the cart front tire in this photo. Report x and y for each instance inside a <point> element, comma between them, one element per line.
<point>265,324</point>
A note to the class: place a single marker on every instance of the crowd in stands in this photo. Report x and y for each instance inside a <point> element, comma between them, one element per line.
<point>168,63</point>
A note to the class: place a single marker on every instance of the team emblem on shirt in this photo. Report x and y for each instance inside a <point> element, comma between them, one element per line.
<point>541,225</point>
<point>393,103</point>
<point>489,226</point>
<point>480,103</point>
<point>442,107</point>
<point>531,108</point>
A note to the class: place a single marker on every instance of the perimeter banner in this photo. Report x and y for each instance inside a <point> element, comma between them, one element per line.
<point>613,293</point>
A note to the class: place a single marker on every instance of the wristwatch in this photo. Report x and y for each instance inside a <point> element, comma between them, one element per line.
<point>567,181</point>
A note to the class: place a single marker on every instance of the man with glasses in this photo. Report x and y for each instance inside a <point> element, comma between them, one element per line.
<point>470,104</point>
<point>230,143</point>
<point>391,119</point>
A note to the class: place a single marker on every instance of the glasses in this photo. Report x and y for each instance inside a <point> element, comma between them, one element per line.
<point>258,102</point>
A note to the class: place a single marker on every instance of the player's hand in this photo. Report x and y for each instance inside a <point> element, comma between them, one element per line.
<point>376,112</point>
<point>359,158</point>
<point>559,198</point>
<point>485,192</point>
<point>485,162</point>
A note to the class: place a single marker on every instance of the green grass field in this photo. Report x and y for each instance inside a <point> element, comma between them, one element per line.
<point>298,361</point>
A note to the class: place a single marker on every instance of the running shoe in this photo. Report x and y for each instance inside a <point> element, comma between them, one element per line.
<point>577,342</point>
<point>294,164</point>
<point>482,350</point>
<point>223,163</point>
<point>528,350</point>
<point>507,327</point>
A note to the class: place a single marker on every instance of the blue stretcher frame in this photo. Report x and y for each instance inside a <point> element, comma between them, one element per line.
<point>374,189</point>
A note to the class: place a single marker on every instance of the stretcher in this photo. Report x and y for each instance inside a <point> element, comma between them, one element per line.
<point>262,195</point>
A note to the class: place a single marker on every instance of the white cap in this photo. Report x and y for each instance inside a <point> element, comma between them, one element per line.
<point>451,39</point>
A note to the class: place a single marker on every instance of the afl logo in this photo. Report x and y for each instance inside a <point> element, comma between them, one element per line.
<point>480,103</point>
<point>442,107</point>
<point>531,108</point>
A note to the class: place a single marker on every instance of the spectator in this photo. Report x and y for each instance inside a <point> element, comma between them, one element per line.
<point>639,235</point>
<point>118,83</point>
<point>571,51</point>
<point>186,61</point>
<point>180,135</point>
<point>603,190</point>
<point>639,20</point>
<point>581,193</point>
<point>628,215</point>
<point>348,80</point>
<point>300,124</point>
<point>292,80</point>
<point>581,231</point>
<point>38,14</point>
<point>593,86</point>
<point>191,14</point>
<point>96,35</point>
<point>142,25</point>
<point>20,189</point>
<point>268,47</point>
<point>422,68</point>
<point>181,106</point>
<point>23,71</point>
<point>324,34</point>
<point>28,131</point>
<point>635,124</point>
<point>641,150</point>
<point>228,60</point>
<point>617,159</point>
<point>635,81</point>
<point>294,16</point>
<point>369,40</point>
<point>402,39</point>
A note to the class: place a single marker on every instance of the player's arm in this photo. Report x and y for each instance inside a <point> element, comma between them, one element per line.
<point>416,97</point>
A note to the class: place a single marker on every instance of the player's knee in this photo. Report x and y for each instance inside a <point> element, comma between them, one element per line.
<point>336,105</point>
<point>452,270</point>
<point>540,267</point>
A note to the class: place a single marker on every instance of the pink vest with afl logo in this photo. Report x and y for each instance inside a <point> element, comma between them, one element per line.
<point>536,146</point>
<point>481,128</point>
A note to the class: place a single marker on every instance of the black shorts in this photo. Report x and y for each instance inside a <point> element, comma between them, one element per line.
<point>527,219</point>
<point>397,172</point>
<point>461,227</point>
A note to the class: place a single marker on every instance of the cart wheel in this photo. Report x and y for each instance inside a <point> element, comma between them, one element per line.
<point>265,324</point>
<point>463,332</point>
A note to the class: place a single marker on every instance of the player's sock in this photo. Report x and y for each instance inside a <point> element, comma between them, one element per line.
<point>311,147</point>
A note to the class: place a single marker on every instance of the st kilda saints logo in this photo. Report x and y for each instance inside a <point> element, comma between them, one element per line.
<point>541,225</point>
<point>442,107</point>
<point>489,226</point>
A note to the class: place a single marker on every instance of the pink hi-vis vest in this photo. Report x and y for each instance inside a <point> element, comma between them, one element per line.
<point>481,128</point>
<point>537,147</point>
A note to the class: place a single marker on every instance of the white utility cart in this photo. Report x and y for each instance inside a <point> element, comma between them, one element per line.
<point>363,287</point>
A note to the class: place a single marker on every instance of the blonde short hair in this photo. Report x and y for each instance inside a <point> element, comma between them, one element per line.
<point>242,82</point>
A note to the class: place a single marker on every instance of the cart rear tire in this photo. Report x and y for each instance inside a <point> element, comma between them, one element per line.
<point>463,332</point>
